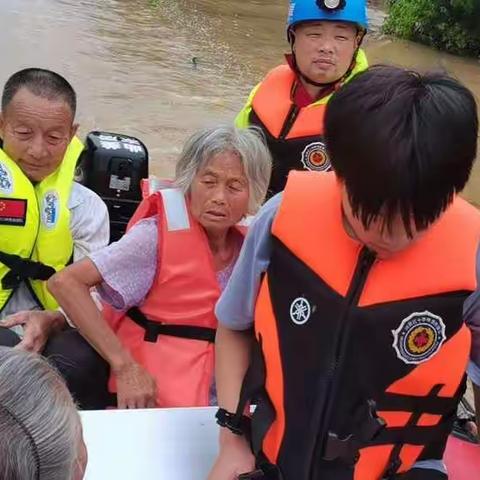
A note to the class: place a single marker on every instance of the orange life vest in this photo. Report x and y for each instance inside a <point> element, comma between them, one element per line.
<point>172,333</point>
<point>345,337</point>
<point>294,135</point>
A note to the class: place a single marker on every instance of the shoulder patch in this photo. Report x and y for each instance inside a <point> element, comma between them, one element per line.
<point>419,337</point>
<point>13,211</point>
<point>315,157</point>
<point>6,179</point>
<point>50,209</point>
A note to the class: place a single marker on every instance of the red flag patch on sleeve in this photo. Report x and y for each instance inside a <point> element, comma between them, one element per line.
<point>13,211</point>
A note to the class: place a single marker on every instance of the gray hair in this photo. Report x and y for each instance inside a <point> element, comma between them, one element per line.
<point>40,427</point>
<point>248,143</point>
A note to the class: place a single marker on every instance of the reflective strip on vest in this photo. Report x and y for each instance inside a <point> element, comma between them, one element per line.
<point>175,209</point>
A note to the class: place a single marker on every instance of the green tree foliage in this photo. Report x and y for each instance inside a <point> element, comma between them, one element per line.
<point>451,25</point>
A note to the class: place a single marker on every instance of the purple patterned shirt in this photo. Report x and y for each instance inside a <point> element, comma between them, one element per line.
<point>128,266</point>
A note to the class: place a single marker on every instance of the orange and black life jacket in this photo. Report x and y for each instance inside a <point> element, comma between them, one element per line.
<point>294,135</point>
<point>345,338</point>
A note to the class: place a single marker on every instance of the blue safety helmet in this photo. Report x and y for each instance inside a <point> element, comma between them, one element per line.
<point>354,11</point>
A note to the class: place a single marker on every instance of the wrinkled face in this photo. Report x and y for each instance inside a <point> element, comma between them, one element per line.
<point>36,132</point>
<point>379,238</point>
<point>324,50</point>
<point>220,193</point>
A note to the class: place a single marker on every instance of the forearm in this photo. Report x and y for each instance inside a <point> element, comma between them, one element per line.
<point>75,299</point>
<point>232,350</point>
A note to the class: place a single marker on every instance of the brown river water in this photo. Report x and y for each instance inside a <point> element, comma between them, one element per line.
<point>131,61</point>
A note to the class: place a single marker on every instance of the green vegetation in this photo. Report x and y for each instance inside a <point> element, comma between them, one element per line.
<point>450,25</point>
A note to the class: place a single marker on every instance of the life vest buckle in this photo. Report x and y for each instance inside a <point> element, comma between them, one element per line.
<point>347,449</point>
<point>265,471</point>
<point>255,475</point>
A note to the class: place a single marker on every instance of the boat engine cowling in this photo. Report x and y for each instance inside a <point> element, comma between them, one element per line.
<point>113,165</point>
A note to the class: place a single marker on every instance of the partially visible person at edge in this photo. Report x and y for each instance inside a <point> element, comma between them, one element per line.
<point>165,275</point>
<point>46,221</point>
<point>40,429</point>
<point>359,285</point>
<point>289,104</point>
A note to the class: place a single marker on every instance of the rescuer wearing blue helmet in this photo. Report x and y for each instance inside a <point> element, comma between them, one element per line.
<point>289,104</point>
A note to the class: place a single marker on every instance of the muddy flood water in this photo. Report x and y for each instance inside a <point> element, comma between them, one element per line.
<point>131,61</point>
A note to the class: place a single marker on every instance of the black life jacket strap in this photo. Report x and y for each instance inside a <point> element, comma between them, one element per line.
<point>430,404</point>
<point>21,269</point>
<point>154,329</point>
<point>412,433</point>
<point>253,391</point>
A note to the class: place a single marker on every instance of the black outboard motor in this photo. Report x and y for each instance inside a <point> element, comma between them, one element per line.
<point>113,166</point>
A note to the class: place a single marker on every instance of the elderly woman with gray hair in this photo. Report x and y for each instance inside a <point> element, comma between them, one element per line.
<point>165,275</point>
<point>40,429</point>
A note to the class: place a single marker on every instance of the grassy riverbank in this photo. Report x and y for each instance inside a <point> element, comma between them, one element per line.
<point>449,25</point>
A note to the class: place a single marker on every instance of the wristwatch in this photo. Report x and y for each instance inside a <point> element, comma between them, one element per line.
<point>237,424</point>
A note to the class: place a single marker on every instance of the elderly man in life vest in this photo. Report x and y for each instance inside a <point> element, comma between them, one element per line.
<point>359,286</point>
<point>165,275</point>
<point>289,104</point>
<point>46,221</point>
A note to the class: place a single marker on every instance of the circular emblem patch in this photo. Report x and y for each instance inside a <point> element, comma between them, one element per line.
<point>50,209</point>
<point>419,337</point>
<point>6,182</point>
<point>300,311</point>
<point>315,157</point>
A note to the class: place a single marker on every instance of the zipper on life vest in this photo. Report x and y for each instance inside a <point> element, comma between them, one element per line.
<point>289,121</point>
<point>364,265</point>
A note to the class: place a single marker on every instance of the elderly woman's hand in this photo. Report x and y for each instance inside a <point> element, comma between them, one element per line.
<point>136,388</point>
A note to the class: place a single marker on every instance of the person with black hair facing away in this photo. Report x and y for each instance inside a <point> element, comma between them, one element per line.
<point>359,285</point>
<point>289,103</point>
<point>46,222</point>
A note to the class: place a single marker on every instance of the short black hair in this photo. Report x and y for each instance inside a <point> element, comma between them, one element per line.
<point>44,83</point>
<point>402,143</point>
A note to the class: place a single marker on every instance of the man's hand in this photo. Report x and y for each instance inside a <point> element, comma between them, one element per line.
<point>136,388</point>
<point>235,457</point>
<point>38,325</point>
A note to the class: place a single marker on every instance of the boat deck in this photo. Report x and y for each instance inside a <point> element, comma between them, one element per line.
<point>181,444</point>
